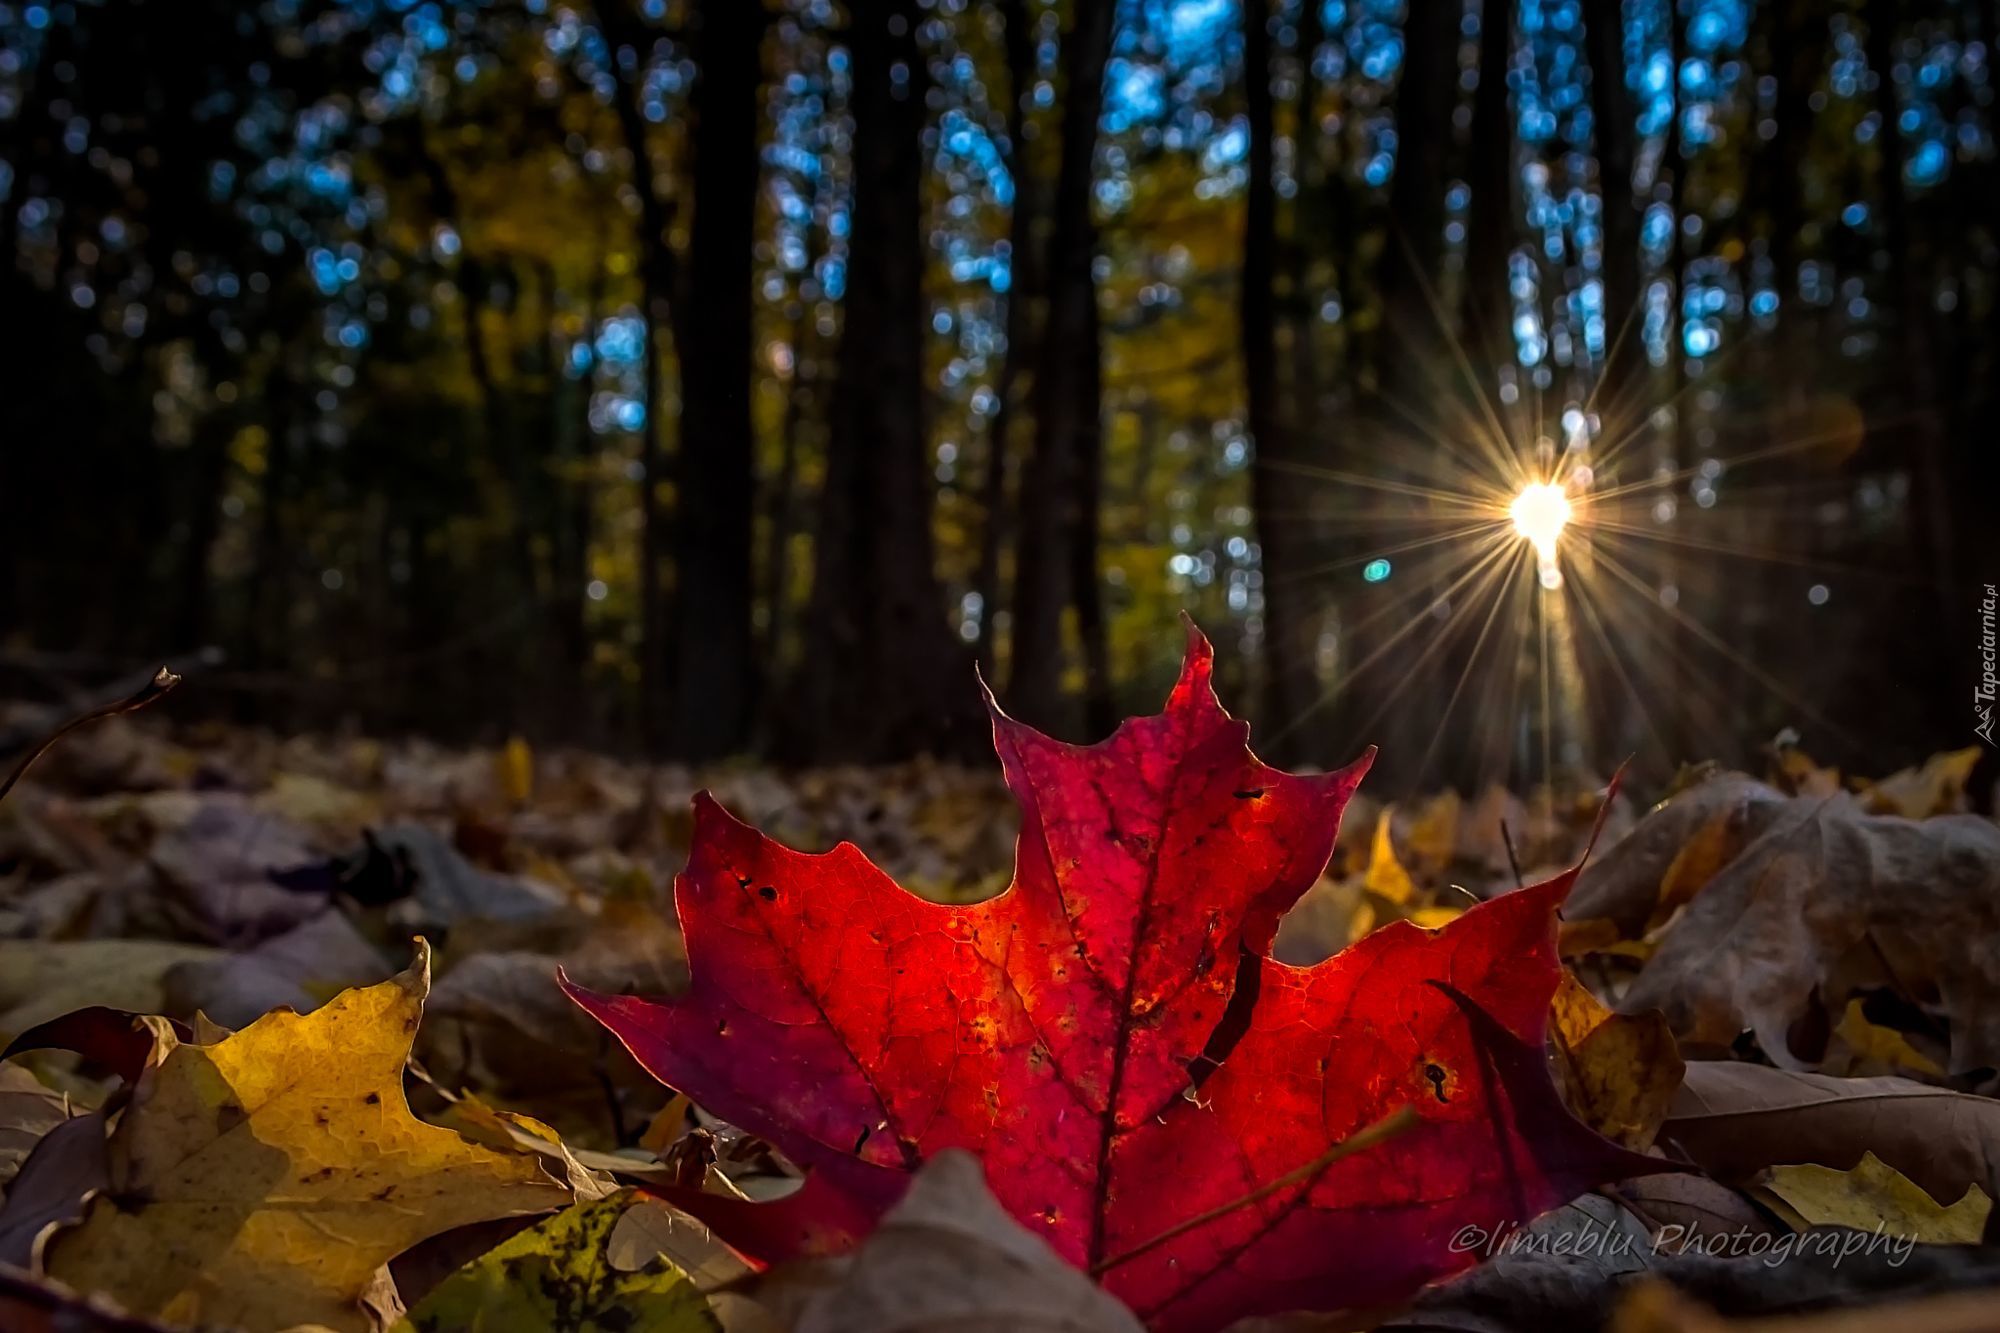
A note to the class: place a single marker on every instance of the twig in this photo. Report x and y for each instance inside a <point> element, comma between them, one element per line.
<point>1513,863</point>
<point>163,682</point>
<point>1386,1128</point>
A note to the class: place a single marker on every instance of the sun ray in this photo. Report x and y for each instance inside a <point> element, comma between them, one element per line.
<point>1729,654</point>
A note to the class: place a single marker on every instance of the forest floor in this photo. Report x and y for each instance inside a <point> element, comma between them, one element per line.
<point>1822,949</point>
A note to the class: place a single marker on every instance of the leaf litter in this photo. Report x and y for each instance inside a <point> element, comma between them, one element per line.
<point>241,875</point>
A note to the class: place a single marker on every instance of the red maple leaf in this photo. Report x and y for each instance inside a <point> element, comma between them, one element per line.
<point>1110,1038</point>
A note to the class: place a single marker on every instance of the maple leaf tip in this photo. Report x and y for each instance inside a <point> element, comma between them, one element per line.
<point>1200,652</point>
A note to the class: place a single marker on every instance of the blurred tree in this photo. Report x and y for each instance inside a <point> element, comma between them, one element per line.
<point>880,678</point>
<point>1055,561</point>
<point>715,682</point>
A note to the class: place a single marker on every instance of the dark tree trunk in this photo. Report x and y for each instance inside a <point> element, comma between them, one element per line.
<point>1491,231</point>
<point>1100,713</point>
<point>1613,119</point>
<point>659,278</point>
<point>1068,430</point>
<point>716,672</point>
<point>886,679</point>
<point>1410,340</point>
<point>1274,480</point>
<point>1024,288</point>
<point>1911,283</point>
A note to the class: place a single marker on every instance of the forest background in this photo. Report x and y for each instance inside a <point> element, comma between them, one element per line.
<point>718,377</point>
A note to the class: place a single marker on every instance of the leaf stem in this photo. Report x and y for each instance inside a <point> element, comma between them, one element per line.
<point>1386,1128</point>
<point>162,683</point>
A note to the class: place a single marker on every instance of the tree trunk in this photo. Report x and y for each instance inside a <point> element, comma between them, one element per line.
<point>1025,266</point>
<point>1613,119</point>
<point>1910,283</point>
<point>1068,429</point>
<point>1491,230</point>
<point>659,277</point>
<point>886,680</point>
<point>1274,480</point>
<point>716,674</point>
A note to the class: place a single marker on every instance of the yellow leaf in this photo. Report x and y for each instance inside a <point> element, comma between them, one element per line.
<point>509,1131</point>
<point>1386,877</point>
<point>1433,838</point>
<point>1935,788</point>
<point>1714,845</point>
<point>1874,1195</point>
<point>262,1181</point>
<point>319,804</point>
<point>1589,935</point>
<point>667,1126</point>
<point>1619,1072</point>
<point>1873,1044</point>
<point>516,763</point>
<point>558,1274</point>
<point>1436,916</point>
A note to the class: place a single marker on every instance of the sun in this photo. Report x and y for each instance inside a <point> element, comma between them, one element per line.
<point>1540,513</point>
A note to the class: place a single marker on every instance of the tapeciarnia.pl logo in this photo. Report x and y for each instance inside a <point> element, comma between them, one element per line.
<point>1983,692</point>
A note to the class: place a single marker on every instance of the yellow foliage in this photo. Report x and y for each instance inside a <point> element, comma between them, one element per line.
<point>559,1274</point>
<point>1386,877</point>
<point>1872,1196</point>
<point>1619,1072</point>
<point>264,1180</point>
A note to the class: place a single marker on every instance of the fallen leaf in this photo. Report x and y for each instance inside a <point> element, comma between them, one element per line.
<point>44,979</point>
<point>1736,1119</point>
<point>1653,1306</point>
<point>1687,1212</point>
<point>30,1304</point>
<point>28,1110</point>
<point>1433,832</point>
<point>1935,787</point>
<point>1827,903</point>
<point>447,891</point>
<point>1331,915</point>
<point>217,860</point>
<point>1874,1197</point>
<point>264,1180</point>
<point>1623,885</point>
<point>1534,1290</point>
<point>1714,845</point>
<point>1386,877</point>
<point>946,1258</point>
<point>509,1131</point>
<point>55,1181</point>
<point>1871,1048</point>
<point>1620,1071</point>
<point>516,765</point>
<point>1058,1031</point>
<point>649,1229</point>
<point>115,1041</point>
<point>314,802</point>
<point>557,1274</point>
<point>300,969</point>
